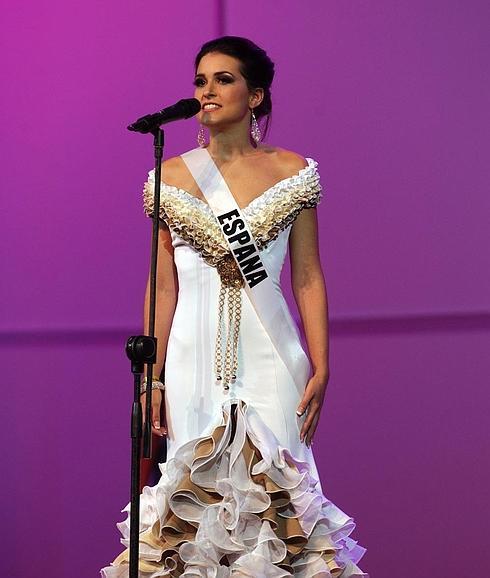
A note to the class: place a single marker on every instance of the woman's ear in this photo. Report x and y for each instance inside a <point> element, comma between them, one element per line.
<point>256,97</point>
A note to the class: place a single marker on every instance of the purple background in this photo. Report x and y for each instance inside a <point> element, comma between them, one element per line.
<point>392,100</point>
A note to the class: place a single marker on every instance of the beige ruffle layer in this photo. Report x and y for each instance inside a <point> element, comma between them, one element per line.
<point>235,504</point>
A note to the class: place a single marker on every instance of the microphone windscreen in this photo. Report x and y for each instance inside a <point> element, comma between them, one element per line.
<point>192,106</point>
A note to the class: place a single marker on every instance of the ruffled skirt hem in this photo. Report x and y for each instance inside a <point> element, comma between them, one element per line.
<point>233,504</point>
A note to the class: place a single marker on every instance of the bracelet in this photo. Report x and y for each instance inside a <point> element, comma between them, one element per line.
<point>155,384</point>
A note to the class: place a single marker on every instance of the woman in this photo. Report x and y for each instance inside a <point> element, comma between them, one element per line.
<point>239,494</point>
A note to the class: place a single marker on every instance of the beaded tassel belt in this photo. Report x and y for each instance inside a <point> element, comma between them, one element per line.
<point>230,295</point>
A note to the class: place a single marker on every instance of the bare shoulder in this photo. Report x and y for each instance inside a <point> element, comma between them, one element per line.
<point>292,160</point>
<point>288,162</point>
<point>175,173</point>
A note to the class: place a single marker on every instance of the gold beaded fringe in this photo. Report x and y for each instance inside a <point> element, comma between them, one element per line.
<point>226,362</point>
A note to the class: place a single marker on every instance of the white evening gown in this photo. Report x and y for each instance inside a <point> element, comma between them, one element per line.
<point>242,496</point>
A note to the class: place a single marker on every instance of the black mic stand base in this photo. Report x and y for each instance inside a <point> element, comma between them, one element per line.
<point>140,349</point>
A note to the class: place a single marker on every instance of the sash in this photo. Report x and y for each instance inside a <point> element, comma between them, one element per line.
<point>258,284</point>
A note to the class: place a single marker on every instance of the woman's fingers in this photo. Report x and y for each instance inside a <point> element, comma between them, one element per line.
<point>311,403</point>
<point>307,396</point>
<point>312,411</point>
<point>306,405</point>
<point>156,412</point>
<point>156,400</point>
<point>311,431</point>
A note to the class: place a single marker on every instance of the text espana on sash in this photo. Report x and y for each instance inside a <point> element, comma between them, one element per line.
<point>244,250</point>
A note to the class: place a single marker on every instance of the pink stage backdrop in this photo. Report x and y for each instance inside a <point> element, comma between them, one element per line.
<point>392,99</point>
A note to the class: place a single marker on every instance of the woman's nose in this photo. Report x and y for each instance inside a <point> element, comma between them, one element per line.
<point>210,91</point>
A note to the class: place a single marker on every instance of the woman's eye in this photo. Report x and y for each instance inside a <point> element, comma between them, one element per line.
<point>225,79</point>
<point>199,82</point>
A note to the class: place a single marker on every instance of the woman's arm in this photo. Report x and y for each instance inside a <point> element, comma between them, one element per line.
<point>310,293</point>
<point>166,300</point>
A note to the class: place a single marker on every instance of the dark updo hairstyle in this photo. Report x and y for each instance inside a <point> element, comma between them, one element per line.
<point>255,66</point>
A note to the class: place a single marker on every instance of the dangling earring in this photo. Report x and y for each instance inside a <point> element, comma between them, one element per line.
<point>201,137</point>
<point>255,129</point>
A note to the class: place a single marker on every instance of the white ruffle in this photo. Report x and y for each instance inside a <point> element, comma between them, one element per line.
<point>213,492</point>
<point>267,215</point>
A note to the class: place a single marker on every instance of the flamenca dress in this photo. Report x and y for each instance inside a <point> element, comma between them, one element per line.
<point>239,495</point>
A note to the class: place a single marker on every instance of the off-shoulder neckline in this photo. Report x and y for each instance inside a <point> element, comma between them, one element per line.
<point>311,165</point>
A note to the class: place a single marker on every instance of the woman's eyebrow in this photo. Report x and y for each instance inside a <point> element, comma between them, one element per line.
<point>217,73</point>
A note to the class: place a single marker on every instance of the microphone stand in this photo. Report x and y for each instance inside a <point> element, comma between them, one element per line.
<point>141,350</point>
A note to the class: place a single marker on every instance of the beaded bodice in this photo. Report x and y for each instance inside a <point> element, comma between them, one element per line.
<point>193,220</point>
<point>267,215</point>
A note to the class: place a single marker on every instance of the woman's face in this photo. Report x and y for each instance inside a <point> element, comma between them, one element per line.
<point>222,91</point>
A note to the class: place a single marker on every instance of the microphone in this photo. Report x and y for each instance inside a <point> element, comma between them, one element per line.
<point>185,108</point>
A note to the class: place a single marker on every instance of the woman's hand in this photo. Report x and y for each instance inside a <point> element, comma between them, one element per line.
<point>157,412</point>
<point>312,402</point>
